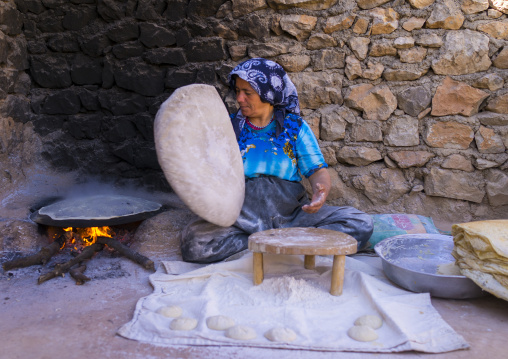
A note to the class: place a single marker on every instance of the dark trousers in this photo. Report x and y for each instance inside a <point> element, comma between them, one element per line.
<point>269,203</point>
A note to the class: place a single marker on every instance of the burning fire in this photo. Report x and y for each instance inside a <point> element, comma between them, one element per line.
<point>89,234</point>
<point>78,238</point>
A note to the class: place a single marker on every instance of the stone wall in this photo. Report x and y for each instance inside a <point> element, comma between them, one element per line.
<point>408,98</point>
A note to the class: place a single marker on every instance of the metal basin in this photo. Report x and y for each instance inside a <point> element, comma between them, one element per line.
<point>412,261</point>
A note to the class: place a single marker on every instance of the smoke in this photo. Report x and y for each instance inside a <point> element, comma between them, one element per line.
<point>42,188</point>
<point>94,187</point>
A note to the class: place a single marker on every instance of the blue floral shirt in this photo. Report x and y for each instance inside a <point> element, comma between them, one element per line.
<point>295,152</point>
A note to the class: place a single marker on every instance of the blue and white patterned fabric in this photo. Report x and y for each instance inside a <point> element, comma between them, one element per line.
<point>272,84</point>
<point>270,81</point>
<point>295,152</point>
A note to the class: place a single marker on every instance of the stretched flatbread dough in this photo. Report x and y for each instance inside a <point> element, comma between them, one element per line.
<point>198,152</point>
<point>481,252</point>
<point>489,236</point>
<point>96,210</point>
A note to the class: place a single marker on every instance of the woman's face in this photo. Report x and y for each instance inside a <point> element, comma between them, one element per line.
<point>249,101</point>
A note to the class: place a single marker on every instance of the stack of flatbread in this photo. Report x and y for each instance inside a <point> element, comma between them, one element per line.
<point>481,252</point>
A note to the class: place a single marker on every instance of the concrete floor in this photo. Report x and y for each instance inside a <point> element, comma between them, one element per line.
<point>59,319</point>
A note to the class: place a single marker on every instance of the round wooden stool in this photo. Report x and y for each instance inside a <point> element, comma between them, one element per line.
<point>307,241</point>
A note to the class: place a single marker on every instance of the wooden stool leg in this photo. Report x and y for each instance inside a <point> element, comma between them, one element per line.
<point>258,268</point>
<point>309,262</point>
<point>339,263</point>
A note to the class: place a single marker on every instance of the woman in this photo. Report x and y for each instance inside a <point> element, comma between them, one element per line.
<point>277,148</point>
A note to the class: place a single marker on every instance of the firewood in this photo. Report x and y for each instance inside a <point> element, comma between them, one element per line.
<point>127,252</point>
<point>41,257</point>
<point>61,269</point>
<point>78,274</point>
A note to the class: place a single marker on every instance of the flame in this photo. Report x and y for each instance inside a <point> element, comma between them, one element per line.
<point>78,238</point>
<point>89,235</point>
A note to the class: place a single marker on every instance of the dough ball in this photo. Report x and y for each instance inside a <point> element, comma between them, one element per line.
<point>171,311</point>
<point>362,333</point>
<point>280,334</point>
<point>183,323</point>
<point>241,332</point>
<point>219,322</point>
<point>372,321</point>
<point>448,269</point>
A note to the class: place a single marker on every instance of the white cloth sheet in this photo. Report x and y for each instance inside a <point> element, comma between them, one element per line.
<point>292,297</point>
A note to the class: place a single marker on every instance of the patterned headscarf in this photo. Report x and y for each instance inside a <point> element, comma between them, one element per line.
<point>271,83</point>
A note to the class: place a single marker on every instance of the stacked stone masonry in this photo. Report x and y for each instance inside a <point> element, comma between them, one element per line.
<point>408,98</point>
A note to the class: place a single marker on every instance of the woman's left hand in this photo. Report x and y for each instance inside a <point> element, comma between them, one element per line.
<point>321,183</point>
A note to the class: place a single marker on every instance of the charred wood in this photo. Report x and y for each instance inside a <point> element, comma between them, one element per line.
<point>61,269</point>
<point>127,252</point>
<point>78,274</point>
<point>41,257</point>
